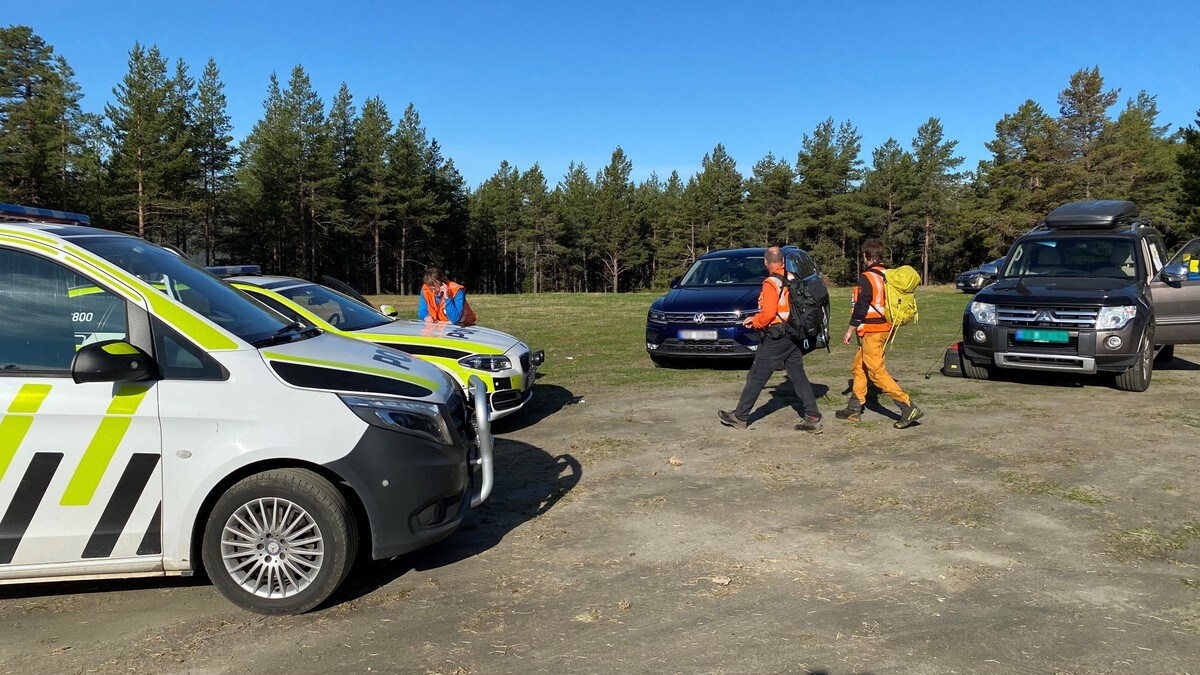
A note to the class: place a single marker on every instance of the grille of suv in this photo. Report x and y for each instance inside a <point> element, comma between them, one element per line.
<point>710,318</point>
<point>702,346</point>
<point>1060,317</point>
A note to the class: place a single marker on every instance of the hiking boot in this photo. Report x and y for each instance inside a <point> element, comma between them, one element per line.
<point>909,414</point>
<point>730,420</point>
<point>852,412</point>
<point>810,424</point>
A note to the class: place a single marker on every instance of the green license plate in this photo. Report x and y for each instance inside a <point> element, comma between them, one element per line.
<point>1054,337</point>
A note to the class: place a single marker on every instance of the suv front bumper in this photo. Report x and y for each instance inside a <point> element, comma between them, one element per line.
<point>699,340</point>
<point>1087,351</point>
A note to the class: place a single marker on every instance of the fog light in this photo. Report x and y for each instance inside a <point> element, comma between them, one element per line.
<point>752,347</point>
<point>651,346</point>
<point>980,336</point>
<point>1113,342</point>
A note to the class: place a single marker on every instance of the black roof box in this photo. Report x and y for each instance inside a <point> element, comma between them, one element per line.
<point>1108,213</point>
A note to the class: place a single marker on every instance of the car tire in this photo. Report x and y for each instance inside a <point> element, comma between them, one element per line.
<point>280,542</point>
<point>1165,355</point>
<point>974,372</point>
<point>1137,377</point>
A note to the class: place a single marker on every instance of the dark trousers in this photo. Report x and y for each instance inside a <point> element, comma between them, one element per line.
<point>773,352</point>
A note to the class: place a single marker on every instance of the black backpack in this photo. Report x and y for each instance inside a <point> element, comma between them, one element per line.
<point>807,325</point>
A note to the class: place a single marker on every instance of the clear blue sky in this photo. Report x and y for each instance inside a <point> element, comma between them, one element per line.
<point>552,82</point>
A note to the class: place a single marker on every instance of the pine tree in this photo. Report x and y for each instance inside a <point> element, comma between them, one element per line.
<point>313,195</point>
<point>1083,110</point>
<point>714,204</point>
<point>830,213</point>
<point>417,211</point>
<point>264,184</point>
<point>575,202</point>
<point>1138,161</point>
<point>538,232</point>
<point>1189,166</point>
<point>140,126</point>
<point>935,178</point>
<point>888,187</point>
<point>616,232</point>
<point>41,125</point>
<point>371,204</point>
<point>769,200</point>
<point>214,154</point>
<point>182,174</point>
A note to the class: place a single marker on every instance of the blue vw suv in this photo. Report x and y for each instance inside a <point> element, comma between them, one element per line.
<point>702,314</point>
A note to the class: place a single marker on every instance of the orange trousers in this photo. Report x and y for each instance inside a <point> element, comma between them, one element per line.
<point>868,363</point>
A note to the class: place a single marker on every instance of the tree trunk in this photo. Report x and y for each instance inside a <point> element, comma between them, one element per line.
<point>141,192</point>
<point>928,232</point>
<point>378,280</point>
<point>402,280</point>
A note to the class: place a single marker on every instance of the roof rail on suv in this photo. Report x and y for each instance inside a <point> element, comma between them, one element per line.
<point>1108,214</point>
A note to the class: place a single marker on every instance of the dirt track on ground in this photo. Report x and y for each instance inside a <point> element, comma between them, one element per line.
<point>1025,527</point>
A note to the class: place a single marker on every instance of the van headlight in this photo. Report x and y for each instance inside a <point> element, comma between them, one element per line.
<point>984,313</point>
<point>1114,318</point>
<point>409,417</point>
<point>657,316</point>
<point>490,363</point>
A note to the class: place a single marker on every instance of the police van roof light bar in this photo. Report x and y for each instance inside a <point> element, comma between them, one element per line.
<point>32,213</point>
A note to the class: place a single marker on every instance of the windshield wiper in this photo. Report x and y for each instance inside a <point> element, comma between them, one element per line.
<point>285,334</point>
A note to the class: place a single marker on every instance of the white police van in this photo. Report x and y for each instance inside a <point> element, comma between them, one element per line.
<point>154,420</point>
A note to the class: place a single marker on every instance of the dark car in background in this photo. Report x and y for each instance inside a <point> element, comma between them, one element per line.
<point>974,279</point>
<point>702,314</point>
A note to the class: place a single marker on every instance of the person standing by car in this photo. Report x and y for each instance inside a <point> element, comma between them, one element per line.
<point>443,301</point>
<point>868,322</point>
<point>775,349</point>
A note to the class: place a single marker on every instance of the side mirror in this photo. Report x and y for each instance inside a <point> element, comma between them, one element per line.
<point>389,311</point>
<point>675,282</point>
<point>111,361</point>
<point>990,269</point>
<point>1174,274</point>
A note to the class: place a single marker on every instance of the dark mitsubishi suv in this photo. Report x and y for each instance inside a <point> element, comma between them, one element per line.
<point>1088,290</point>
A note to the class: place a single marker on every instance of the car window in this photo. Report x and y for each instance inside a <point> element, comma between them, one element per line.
<point>726,271</point>
<point>190,285</point>
<point>278,306</point>
<point>799,264</point>
<point>179,359</point>
<point>339,311</point>
<point>50,312</point>
<point>1189,257</point>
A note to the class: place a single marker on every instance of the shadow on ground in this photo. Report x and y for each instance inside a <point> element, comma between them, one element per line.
<point>529,482</point>
<point>547,400</point>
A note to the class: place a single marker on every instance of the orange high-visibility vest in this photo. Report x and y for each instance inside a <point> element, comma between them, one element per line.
<point>875,321</point>
<point>437,309</point>
<point>784,308</point>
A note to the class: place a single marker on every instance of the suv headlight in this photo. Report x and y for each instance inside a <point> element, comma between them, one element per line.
<point>410,417</point>
<point>984,313</point>
<point>490,363</point>
<point>657,316</point>
<point>1114,318</point>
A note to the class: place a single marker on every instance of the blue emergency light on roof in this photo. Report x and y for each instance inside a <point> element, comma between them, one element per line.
<point>235,270</point>
<point>18,212</point>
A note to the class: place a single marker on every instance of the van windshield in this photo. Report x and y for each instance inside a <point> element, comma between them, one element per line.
<point>1107,257</point>
<point>740,270</point>
<point>194,287</point>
